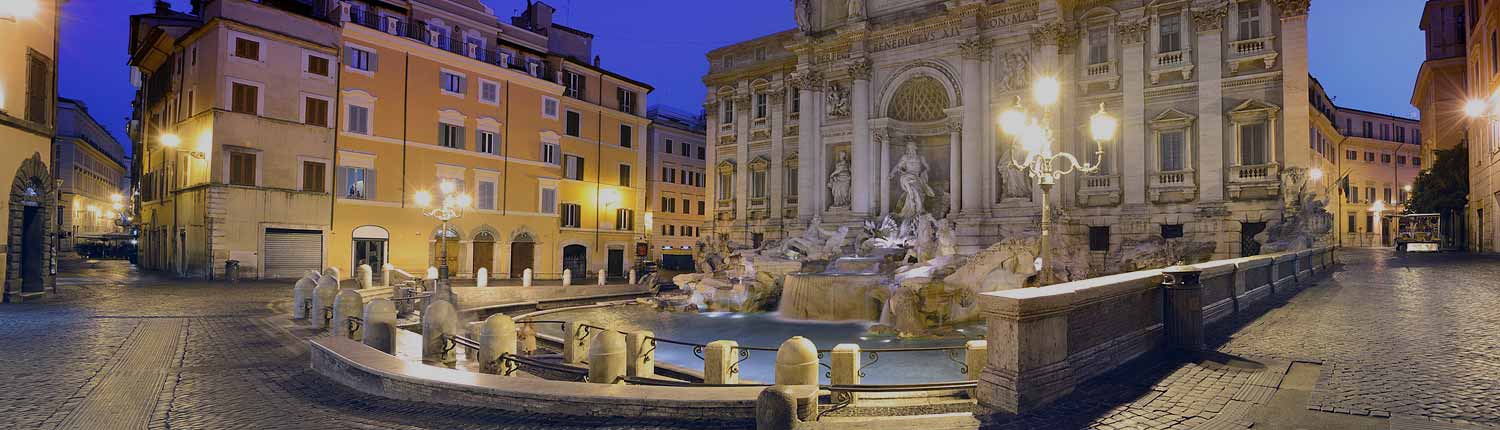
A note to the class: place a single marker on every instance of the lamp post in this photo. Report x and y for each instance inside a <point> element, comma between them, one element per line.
<point>451,207</point>
<point>1041,163</point>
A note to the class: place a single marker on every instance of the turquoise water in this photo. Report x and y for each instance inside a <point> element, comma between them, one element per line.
<point>769,331</point>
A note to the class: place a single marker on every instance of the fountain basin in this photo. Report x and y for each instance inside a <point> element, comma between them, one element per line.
<point>832,296</point>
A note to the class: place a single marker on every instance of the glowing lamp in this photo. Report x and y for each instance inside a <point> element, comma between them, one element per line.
<point>1474,108</point>
<point>1034,138</point>
<point>1012,121</point>
<point>170,140</point>
<point>464,200</point>
<point>422,198</point>
<point>1046,90</point>
<point>447,187</point>
<point>1103,125</point>
<point>609,198</point>
<point>1316,174</point>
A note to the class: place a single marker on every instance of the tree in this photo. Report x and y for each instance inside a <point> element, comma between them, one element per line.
<point>1444,188</point>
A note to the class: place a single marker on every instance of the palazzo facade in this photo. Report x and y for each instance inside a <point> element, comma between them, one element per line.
<point>842,119</point>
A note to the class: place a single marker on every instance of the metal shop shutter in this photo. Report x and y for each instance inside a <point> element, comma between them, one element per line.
<point>291,253</point>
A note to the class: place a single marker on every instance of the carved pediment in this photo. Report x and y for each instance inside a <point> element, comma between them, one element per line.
<point>790,160</point>
<point>726,167</point>
<point>1172,118</point>
<point>760,163</point>
<point>1253,110</point>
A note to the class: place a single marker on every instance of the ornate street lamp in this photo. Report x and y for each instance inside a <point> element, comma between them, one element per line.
<point>1040,162</point>
<point>451,207</point>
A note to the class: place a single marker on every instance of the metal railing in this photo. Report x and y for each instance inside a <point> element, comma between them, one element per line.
<point>354,323</point>
<point>873,356</point>
<point>843,395</point>
<point>419,31</point>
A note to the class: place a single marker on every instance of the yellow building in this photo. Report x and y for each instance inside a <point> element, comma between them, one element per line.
<point>28,93</point>
<point>546,146</point>
<point>1369,162</point>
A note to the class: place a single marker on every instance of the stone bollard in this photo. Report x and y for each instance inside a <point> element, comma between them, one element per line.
<point>311,273</point>
<point>385,274</point>
<point>323,297</point>
<point>601,277</point>
<point>797,362</point>
<point>976,356</point>
<point>496,338</point>
<point>607,357</point>
<point>439,321</point>
<point>366,276</point>
<point>527,336</point>
<point>302,297</point>
<point>347,304</point>
<point>380,325</point>
<point>482,279</point>
<point>575,340</point>
<point>640,352</point>
<point>333,271</point>
<point>776,409</point>
<point>632,277</point>
<point>719,362</point>
<point>432,273</point>
<point>844,363</point>
<point>526,277</point>
<point>1184,308</point>
<point>567,278</point>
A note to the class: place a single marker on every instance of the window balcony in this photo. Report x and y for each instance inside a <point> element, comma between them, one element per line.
<point>1180,61</point>
<point>1099,190</point>
<point>1248,51</point>
<point>1102,73</point>
<point>1173,187</point>
<point>400,27</point>
<point>1258,181</point>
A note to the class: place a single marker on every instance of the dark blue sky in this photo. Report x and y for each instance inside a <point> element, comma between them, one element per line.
<point>1365,52</point>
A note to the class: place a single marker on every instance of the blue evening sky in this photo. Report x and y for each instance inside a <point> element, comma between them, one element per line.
<point>1365,52</point>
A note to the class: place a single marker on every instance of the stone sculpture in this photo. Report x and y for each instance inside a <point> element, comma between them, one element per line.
<point>838,101</point>
<point>856,10</point>
<point>910,174</point>
<point>840,181</point>
<point>803,13</point>
<point>1014,183</point>
<point>1015,66</point>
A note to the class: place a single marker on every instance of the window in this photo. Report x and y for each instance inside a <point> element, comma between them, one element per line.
<point>624,175</point>
<point>1351,223</point>
<point>1253,145</point>
<point>1249,13</point>
<point>1370,194</point>
<point>1352,194</point>
<point>489,92</point>
<point>1370,157</point>
<point>549,152</point>
<point>685,206</point>
<point>790,182</point>
<point>1171,34</point>
<point>549,107</point>
<point>666,174</point>
<point>1098,46</point>
<point>666,204</point>
<point>1494,53</point>
<point>573,84</point>
<point>1385,132</point>
<point>627,135</point>
<point>244,98</point>
<point>450,136</point>
<point>758,184</point>
<point>796,102</point>
<point>1416,161</point>
<point>548,203</point>
<point>670,230</point>
<point>359,119</point>
<point>760,106</point>
<point>1387,194</point>
<point>317,65</point>
<point>1172,147</point>
<point>1369,129</point>
<point>1401,159</point>
<point>1400,134</point>
<point>573,167</point>
<point>484,141</point>
<point>242,169</point>
<point>726,186</point>
<point>246,48</point>
<point>359,59</point>
<point>451,82</point>
<point>486,191</point>
<point>1385,158</point>
<point>359,183</point>
<point>313,176</point>
<point>626,100</point>
<point>1099,238</point>
<point>1171,231</point>
<point>700,207</point>
<point>668,147</point>
<point>727,109</point>
<point>315,111</point>
<point>624,219</point>
<point>39,90</point>
<point>572,215</point>
<point>686,149</point>
<point>573,123</point>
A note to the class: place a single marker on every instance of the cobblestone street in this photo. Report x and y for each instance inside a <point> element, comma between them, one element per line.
<point>1388,342</point>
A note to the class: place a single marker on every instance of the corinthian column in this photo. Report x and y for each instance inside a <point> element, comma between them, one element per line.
<point>975,51</point>
<point>1294,85</point>
<point>860,111</point>
<point>882,141</point>
<point>955,166</point>
<point>1210,24</point>
<point>1133,127</point>
<point>808,83</point>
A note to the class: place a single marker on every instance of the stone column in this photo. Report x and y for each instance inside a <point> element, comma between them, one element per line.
<point>719,363</point>
<point>742,121</point>
<point>1294,84</point>
<point>711,164</point>
<point>808,196</point>
<point>882,139</point>
<point>955,165</point>
<point>1133,126</point>
<point>1210,65</point>
<point>975,51</point>
<point>860,112</point>
<point>776,176</point>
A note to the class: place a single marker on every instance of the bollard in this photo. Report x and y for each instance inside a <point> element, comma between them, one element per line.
<point>322,299</point>
<point>302,297</point>
<point>719,363</point>
<point>797,362</point>
<point>347,304</point>
<point>640,351</point>
<point>601,277</point>
<point>496,338</point>
<point>567,277</point>
<point>366,276</point>
<point>976,356</point>
<point>385,274</point>
<point>575,339</point>
<point>632,277</point>
<point>482,279</point>
<point>333,271</point>
<point>526,277</point>
<point>607,357</point>
<point>432,273</point>
<point>313,274</point>
<point>1184,308</point>
<point>439,321</point>
<point>380,325</point>
<point>527,336</point>
<point>776,409</point>
<point>844,363</point>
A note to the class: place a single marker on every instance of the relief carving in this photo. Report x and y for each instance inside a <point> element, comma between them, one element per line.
<point>860,69</point>
<point>838,101</point>
<point>1210,20</point>
<point>977,48</point>
<point>1015,70</point>
<point>1134,33</point>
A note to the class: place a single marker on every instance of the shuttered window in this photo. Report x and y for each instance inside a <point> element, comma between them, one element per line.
<point>359,119</point>
<point>244,98</point>
<point>242,168</point>
<point>549,201</point>
<point>246,48</point>
<point>38,88</point>
<point>315,111</point>
<point>571,215</point>
<point>317,65</point>
<point>314,175</point>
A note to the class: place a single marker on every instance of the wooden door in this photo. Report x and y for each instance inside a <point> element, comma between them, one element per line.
<point>484,257</point>
<point>521,258</point>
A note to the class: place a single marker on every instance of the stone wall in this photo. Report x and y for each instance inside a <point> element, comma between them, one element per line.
<point>475,297</point>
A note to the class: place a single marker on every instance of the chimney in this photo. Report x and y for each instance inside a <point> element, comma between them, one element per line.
<point>596,61</point>
<point>163,7</point>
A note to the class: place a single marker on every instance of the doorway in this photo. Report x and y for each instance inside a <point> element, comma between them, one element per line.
<point>576,259</point>
<point>445,246</point>
<point>522,257</point>
<point>33,262</point>
<point>371,252</point>
<point>484,253</point>
<point>616,262</point>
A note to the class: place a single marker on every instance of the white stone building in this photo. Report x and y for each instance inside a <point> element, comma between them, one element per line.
<point>1213,98</point>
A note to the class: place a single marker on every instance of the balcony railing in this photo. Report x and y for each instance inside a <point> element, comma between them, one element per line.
<point>1255,173</point>
<point>1171,178</point>
<point>1106,68</point>
<point>1171,59</point>
<point>1249,47</point>
<point>1100,182</point>
<point>418,31</point>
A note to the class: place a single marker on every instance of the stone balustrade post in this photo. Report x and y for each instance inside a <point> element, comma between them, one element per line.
<point>797,362</point>
<point>526,277</point>
<point>601,277</point>
<point>322,301</point>
<point>333,271</point>
<point>365,276</point>
<point>348,303</point>
<point>482,279</point>
<point>719,362</point>
<point>385,274</point>
<point>976,354</point>
<point>607,357</point>
<point>632,277</point>
<point>302,297</point>
<point>439,321</point>
<point>567,278</point>
<point>640,351</point>
<point>575,340</point>
<point>380,325</point>
<point>844,366</point>
<point>1183,315</point>
<point>527,336</point>
<point>497,337</point>
<point>1028,368</point>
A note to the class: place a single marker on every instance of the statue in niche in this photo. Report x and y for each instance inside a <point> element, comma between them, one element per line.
<point>910,174</point>
<point>838,101</point>
<point>1014,183</point>
<point>803,10</point>
<point>840,180</point>
<point>856,10</point>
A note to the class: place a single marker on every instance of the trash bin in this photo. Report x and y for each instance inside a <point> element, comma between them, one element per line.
<point>232,270</point>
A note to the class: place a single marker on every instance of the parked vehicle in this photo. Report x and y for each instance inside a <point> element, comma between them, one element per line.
<point>1419,233</point>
